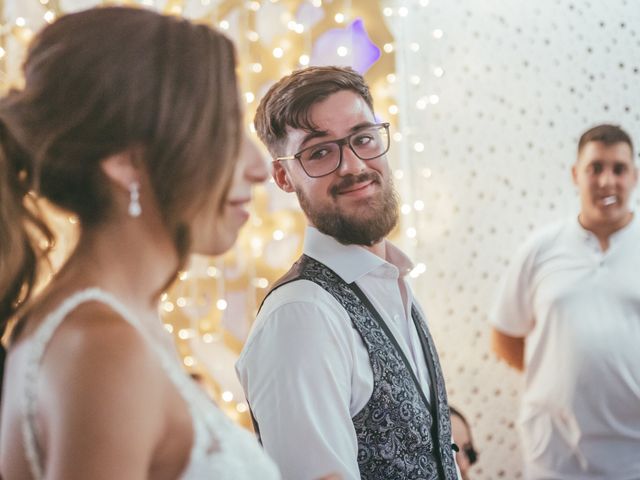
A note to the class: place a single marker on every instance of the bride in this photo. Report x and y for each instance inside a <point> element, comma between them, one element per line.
<point>131,121</point>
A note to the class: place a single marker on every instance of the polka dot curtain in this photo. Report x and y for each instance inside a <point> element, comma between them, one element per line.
<point>492,98</point>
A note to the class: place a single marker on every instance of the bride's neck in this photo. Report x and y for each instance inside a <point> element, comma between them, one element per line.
<point>130,260</point>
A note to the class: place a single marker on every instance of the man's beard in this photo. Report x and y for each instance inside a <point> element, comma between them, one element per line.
<point>368,228</point>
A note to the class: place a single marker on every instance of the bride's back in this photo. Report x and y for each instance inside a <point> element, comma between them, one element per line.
<point>82,369</point>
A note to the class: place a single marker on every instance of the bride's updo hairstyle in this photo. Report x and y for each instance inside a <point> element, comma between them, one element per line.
<point>103,81</point>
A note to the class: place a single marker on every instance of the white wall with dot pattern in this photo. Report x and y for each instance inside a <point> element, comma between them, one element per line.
<point>492,99</point>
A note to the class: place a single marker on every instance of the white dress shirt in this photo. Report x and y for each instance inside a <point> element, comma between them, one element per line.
<point>305,370</point>
<point>579,309</point>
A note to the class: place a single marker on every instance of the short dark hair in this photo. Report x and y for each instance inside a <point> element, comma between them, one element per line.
<point>607,134</point>
<point>455,411</point>
<point>288,101</point>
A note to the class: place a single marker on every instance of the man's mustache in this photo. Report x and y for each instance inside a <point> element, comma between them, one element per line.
<point>351,180</point>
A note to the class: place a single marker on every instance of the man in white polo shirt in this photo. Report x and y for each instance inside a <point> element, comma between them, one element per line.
<point>568,315</point>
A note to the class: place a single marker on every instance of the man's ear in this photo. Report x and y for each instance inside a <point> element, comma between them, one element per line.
<point>574,173</point>
<point>121,169</point>
<point>282,177</point>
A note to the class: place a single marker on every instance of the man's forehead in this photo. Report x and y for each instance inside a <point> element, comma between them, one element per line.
<point>600,151</point>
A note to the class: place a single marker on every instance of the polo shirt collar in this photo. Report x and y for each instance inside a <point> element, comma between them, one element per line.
<point>628,230</point>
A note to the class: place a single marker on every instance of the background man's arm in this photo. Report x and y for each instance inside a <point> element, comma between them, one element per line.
<point>513,316</point>
<point>508,348</point>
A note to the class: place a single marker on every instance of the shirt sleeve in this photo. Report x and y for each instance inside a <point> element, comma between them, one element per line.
<point>296,372</point>
<point>513,310</point>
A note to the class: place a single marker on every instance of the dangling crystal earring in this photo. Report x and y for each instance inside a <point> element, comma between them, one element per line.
<point>134,200</point>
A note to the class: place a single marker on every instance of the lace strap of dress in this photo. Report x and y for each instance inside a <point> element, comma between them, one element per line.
<point>34,359</point>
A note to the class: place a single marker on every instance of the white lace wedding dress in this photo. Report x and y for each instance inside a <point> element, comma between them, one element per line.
<point>221,449</point>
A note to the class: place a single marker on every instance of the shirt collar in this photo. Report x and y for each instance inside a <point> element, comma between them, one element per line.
<point>352,262</point>
<point>629,229</point>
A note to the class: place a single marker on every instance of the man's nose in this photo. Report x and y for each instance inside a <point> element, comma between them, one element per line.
<point>351,163</point>
<point>607,178</point>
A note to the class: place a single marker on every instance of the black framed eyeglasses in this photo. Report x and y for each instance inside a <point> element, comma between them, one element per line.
<point>325,158</point>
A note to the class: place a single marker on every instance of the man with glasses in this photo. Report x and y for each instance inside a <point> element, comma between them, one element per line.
<point>340,370</point>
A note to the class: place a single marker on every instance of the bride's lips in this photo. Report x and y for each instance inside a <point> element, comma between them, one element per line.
<point>239,207</point>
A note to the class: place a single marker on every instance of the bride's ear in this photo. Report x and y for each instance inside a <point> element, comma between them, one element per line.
<point>121,168</point>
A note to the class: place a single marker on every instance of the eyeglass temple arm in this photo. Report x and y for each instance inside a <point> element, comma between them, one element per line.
<point>290,157</point>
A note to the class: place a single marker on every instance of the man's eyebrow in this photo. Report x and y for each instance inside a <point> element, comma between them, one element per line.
<point>361,125</point>
<point>323,133</point>
<point>313,134</point>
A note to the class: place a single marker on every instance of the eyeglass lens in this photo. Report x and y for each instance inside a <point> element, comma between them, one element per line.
<point>367,144</point>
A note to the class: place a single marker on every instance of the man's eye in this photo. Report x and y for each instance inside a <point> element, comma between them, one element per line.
<point>596,168</point>
<point>362,139</point>
<point>318,154</point>
<point>619,168</point>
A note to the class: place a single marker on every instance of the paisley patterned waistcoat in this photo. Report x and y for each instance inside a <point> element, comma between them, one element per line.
<point>401,434</point>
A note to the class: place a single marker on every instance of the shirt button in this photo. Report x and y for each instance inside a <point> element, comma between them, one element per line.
<point>396,317</point>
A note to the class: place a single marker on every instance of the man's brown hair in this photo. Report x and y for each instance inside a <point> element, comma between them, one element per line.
<point>607,134</point>
<point>287,103</point>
